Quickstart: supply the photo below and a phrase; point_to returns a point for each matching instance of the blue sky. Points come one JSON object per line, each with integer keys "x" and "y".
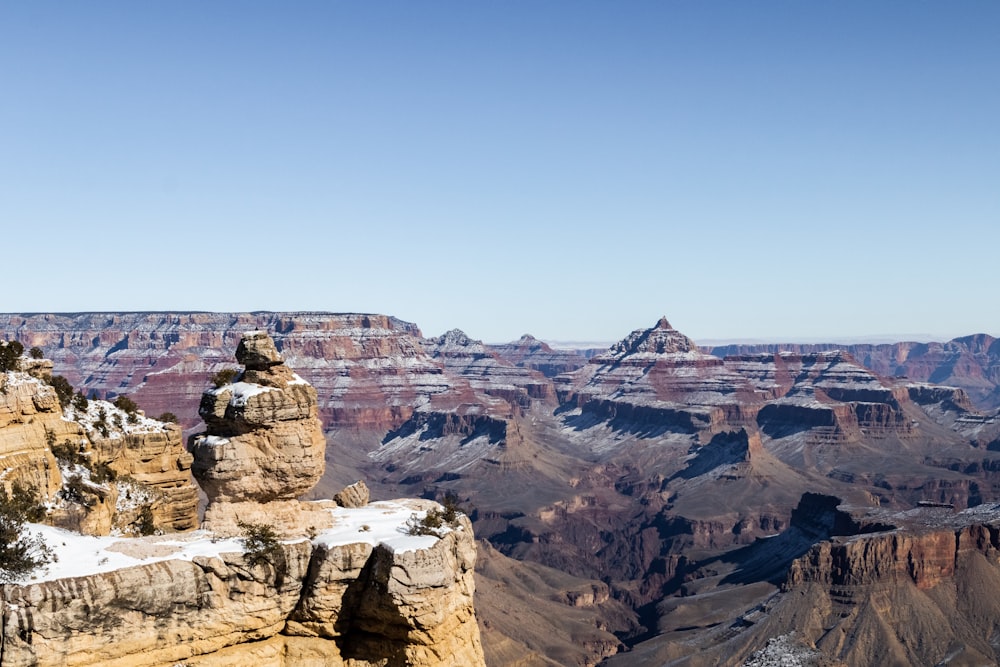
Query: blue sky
{"x": 764, "y": 170}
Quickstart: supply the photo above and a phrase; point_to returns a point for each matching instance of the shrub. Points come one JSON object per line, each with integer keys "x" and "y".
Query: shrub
{"x": 126, "y": 404}
{"x": 101, "y": 473}
{"x": 20, "y": 553}
{"x": 451, "y": 508}
{"x": 64, "y": 390}
{"x": 169, "y": 418}
{"x": 144, "y": 524}
{"x": 224, "y": 377}
{"x": 80, "y": 402}
{"x": 436, "y": 520}
{"x": 36, "y": 353}
{"x": 101, "y": 423}
{"x": 430, "y": 524}
{"x": 75, "y": 491}
{"x": 10, "y": 355}
{"x": 67, "y": 453}
{"x": 260, "y": 542}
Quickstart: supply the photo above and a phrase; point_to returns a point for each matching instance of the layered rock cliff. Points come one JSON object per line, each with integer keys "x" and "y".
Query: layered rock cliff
{"x": 529, "y": 352}
{"x": 360, "y": 594}
{"x": 96, "y": 467}
{"x": 970, "y": 362}
{"x": 370, "y": 370}
{"x": 268, "y": 579}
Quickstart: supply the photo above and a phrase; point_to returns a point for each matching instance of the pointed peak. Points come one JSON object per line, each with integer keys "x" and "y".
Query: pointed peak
{"x": 660, "y": 339}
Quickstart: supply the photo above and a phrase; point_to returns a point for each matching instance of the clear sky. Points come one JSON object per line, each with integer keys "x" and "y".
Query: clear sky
{"x": 773, "y": 170}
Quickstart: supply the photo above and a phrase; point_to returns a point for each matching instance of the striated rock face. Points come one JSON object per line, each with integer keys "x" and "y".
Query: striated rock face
{"x": 30, "y": 416}
{"x": 335, "y": 604}
{"x": 150, "y": 454}
{"x": 970, "y": 362}
{"x": 263, "y": 439}
{"x": 485, "y": 372}
{"x": 658, "y": 376}
{"x": 370, "y": 370}
{"x": 529, "y": 352}
{"x": 158, "y": 460}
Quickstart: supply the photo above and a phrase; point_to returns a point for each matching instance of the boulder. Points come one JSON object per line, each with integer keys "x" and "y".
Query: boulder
{"x": 355, "y": 495}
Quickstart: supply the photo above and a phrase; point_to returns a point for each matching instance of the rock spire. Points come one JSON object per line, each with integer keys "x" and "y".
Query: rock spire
{"x": 263, "y": 441}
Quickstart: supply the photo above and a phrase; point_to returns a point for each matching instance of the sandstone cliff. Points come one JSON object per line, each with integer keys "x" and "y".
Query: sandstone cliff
{"x": 96, "y": 438}
{"x": 360, "y": 594}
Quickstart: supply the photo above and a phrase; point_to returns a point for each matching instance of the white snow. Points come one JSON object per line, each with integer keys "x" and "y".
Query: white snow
{"x": 211, "y": 440}
{"x": 82, "y": 555}
{"x": 240, "y": 392}
{"x": 116, "y": 421}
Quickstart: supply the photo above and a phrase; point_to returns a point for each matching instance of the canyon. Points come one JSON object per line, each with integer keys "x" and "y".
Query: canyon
{"x": 267, "y": 577}
{"x": 635, "y": 502}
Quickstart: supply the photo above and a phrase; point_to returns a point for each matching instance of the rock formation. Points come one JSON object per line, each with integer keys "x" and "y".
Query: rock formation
{"x": 880, "y": 588}
{"x": 355, "y": 596}
{"x": 147, "y": 454}
{"x": 263, "y": 441}
{"x": 529, "y": 352}
{"x": 970, "y": 362}
{"x": 370, "y": 370}
{"x": 30, "y": 417}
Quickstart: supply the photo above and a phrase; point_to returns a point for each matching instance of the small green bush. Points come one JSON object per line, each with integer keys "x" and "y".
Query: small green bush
{"x": 36, "y": 353}
{"x": 75, "y": 491}
{"x": 67, "y": 453}
{"x": 80, "y": 402}
{"x": 20, "y": 553}
{"x": 430, "y": 524}
{"x": 436, "y": 520}
{"x": 451, "y": 508}
{"x": 224, "y": 377}
{"x": 260, "y": 542}
{"x": 64, "y": 390}
{"x": 10, "y": 355}
{"x": 144, "y": 524}
{"x": 169, "y": 418}
{"x": 126, "y": 404}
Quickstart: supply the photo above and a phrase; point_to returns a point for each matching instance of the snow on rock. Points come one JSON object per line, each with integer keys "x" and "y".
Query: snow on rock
{"x": 115, "y": 421}
{"x": 783, "y": 651}
{"x": 79, "y": 555}
{"x": 240, "y": 392}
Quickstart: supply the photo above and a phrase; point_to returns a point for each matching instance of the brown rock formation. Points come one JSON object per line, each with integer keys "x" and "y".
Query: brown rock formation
{"x": 355, "y": 495}
{"x": 263, "y": 445}
{"x": 346, "y": 605}
{"x": 370, "y": 370}
{"x": 263, "y": 439}
{"x": 30, "y": 417}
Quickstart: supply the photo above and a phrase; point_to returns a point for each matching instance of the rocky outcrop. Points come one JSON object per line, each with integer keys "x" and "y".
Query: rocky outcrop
{"x": 263, "y": 446}
{"x": 354, "y": 495}
{"x": 336, "y": 601}
{"x": 148, "y": 455}
{"x": 658, "y": 377}
{"x": 263, "y": 440}
{"x": 31, "y": 418}
{"x": 486, "y": 372}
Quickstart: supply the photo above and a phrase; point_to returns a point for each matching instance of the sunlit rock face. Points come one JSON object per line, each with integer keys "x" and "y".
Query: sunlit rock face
{"x": 263, "y": 438}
